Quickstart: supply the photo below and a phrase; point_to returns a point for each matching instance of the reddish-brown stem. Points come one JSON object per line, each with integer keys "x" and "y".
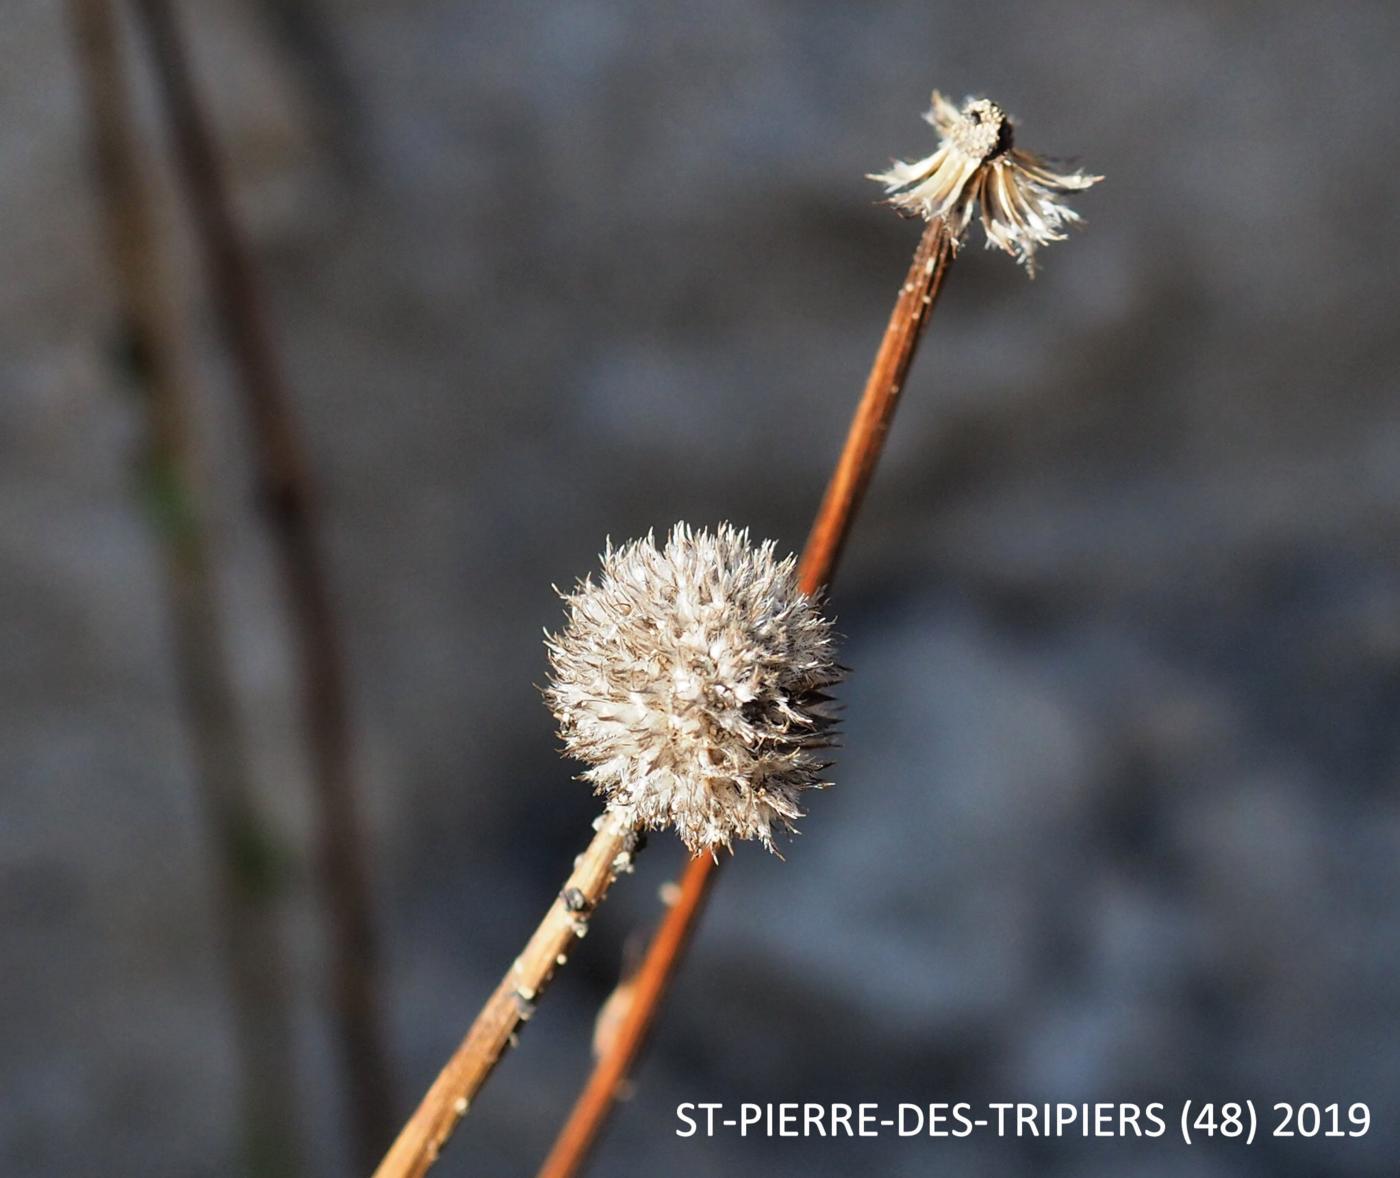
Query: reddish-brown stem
{"x": 864, "y": 442}
{"x": 286, "y": 494}
{"x": 866, "y": 438}
{"x": 580, "y": 1131}
{"x": 246, "y": 901}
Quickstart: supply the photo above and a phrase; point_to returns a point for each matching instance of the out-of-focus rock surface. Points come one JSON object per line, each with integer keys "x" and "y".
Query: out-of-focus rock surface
{"x": 1116, "y": 816}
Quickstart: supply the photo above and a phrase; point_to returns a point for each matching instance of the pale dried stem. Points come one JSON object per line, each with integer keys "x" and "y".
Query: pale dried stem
{"x": 422, "y": 1138}
{"x": 864, "y": 443}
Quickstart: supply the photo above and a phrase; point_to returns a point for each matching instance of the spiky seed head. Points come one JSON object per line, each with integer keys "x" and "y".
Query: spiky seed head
{"x": 692, "y": 679}
{"x": 977, "y": 165}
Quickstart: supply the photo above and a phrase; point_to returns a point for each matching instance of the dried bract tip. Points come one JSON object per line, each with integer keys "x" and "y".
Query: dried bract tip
{"x": 691, "y": 679}
{"x": 977, "y": 164}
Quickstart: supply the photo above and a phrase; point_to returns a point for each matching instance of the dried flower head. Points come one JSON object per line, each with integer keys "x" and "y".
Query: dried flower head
{"x": 692, "y": 680}
{"x": 977, "y": 164}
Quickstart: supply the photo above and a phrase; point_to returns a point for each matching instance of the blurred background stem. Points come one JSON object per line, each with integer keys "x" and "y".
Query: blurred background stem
{"x": 306, "y": 38}
{"x": 289, "y": 505}
{"x": 246, "y": 882}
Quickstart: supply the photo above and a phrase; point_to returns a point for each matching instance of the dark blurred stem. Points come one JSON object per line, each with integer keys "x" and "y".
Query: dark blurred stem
{"x": 246, "y": 895}
{"x": 289, "y": 504}
{"x": 307, "y": 39}
{"x": 865, "y": 441}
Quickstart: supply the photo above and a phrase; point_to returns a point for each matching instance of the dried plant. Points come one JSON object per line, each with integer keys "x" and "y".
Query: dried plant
{"x": 977, "y": 164}
{"x": 691, "y": 678}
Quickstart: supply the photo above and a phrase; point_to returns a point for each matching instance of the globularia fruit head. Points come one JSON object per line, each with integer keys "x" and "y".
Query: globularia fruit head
{"x": 692, "y": 679}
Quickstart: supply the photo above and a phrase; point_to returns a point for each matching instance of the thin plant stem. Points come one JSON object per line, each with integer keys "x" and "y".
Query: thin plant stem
{"x": 289, "y": 504}
{"x": 422, "y": 1138}
{"x": 864, "y": 443}
{"x": 865, "y": 440}
{"x": 246, "y": 895}
{"x": 307, "y": 38}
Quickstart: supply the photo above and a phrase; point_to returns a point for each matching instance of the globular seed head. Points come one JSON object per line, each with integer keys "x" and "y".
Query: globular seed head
{"x": 691, "y": 679}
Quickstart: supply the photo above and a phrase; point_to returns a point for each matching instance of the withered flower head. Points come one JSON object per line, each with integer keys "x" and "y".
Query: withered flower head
{"x": 692, "y": 679}
{"x": 978, "y": 164}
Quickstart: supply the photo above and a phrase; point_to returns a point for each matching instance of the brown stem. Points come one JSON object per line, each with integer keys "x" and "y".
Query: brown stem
{"x": 866, "y": 438}
{"x": 864, "y": 442}
{"x": 246, "y": 898}
{"x": 287, "y": 497}
{"x": 308, "y": 40}
{"x": 421, "y": 1140}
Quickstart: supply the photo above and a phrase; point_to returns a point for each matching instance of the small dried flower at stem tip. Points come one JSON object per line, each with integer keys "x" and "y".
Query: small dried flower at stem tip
{"x": 690, "y": 678}
{"x": 977, "y": 165}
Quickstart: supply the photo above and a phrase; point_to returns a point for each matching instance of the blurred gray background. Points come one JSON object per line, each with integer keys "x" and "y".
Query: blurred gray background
{"x": 1116, "y": 815}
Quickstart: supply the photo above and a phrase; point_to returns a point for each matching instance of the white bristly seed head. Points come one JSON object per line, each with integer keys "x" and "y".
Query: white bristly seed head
{"x": 692, "y": 680}
{"x": 978, "y": 165}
